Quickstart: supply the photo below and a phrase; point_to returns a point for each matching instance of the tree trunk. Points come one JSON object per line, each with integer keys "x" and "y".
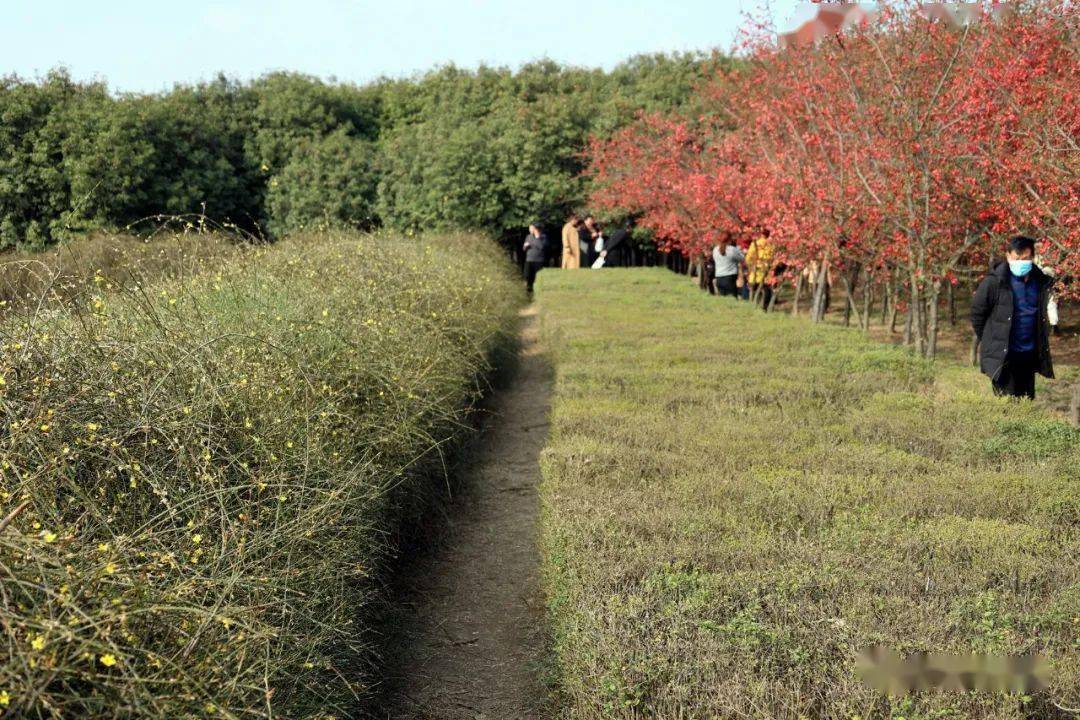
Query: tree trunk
{"x": 818, "y": 311}
{"x": 798, "y": 294}
{"x": 849, "y": 289}
{"x": 849, "y": 304}
{"x": 918, "y": 309}
{"x": 849, "y": 294}
{"x": 886, "y": 299}
{"x": 952, "y": 305}
{"x": 868, "y": 303}
{"x": 908, "y": 321}
{"x": 932, "y": 330}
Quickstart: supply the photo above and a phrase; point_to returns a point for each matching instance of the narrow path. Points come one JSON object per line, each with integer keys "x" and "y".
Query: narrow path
{"x": 472, "y": 643}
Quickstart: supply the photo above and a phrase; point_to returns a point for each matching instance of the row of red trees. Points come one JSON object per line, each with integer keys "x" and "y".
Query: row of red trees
{"x": 904, "y": 152}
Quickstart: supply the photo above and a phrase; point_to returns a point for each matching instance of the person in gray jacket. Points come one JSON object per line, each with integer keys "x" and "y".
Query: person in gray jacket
{"x": 535, "y": 254}
{"x": 728, "y": 257}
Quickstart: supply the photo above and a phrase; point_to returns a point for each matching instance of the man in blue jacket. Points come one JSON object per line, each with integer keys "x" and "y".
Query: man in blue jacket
{"x": 1010, "y": 319}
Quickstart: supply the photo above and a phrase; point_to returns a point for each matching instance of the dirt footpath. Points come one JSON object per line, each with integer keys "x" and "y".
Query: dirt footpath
{"x": 472, "y": 641}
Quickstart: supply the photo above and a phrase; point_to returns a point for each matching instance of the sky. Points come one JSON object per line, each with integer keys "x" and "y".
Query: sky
{"x": 148, "y": 45}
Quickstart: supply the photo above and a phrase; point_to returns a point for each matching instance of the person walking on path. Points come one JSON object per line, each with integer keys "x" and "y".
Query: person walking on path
{"x": 535, "y": 254}
{"x": 728, "y": 258}
{"x": 1009, "y": 316}
{"x": 571, "y": 244}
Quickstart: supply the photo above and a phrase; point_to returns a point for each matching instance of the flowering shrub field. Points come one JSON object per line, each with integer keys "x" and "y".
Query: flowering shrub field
{"x": 907, "y": 151}
{"x": 198, "y": 478}
{"x": 108, "y": 262}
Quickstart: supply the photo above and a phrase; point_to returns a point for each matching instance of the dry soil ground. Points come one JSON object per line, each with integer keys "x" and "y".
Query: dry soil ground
{"x": 471, "y": 642}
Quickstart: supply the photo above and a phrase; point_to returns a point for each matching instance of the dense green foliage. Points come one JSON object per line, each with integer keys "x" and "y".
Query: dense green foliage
{"x": 202, "y": 475}
{"x": 485, "y": 149}
{"x": 329, "y": 182}
{"x": 496, "y": 150}
{"x": 736, "y": 504}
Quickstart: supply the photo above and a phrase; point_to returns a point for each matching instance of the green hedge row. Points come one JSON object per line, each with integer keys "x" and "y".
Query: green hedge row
{"x": 488, "y": 149}
{"x": 201, "y": 477}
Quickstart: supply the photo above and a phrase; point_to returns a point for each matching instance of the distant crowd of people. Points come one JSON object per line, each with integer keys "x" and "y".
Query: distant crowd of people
{"x": 731, "y": 271}
{"x": 1014, "y": 311}
{"x": 584, "y": 245}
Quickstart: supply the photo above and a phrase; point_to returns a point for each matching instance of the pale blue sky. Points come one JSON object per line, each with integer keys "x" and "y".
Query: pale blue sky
{"x": 147, "y": 45}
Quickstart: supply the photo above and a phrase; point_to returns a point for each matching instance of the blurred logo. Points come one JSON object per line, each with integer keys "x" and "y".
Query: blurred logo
{"x": 833, "y": 18}
{"x": 884, "y": 670}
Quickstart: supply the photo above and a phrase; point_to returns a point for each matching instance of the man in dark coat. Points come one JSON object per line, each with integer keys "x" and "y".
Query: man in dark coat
{"x": 1009, "y": 316}
{"x": 535, "y": 246}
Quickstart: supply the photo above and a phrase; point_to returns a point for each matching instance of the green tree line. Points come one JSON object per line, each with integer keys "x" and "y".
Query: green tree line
{"x": 484, "y": 149}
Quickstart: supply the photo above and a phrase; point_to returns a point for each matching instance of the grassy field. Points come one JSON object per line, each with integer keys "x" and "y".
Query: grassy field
{"x": 200, "y": 479}
{"x": 735, "y": 504}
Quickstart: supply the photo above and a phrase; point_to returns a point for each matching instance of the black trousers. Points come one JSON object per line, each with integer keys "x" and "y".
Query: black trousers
{"x": 725, "y": 286}
{"x": 531, "y": 268}
{"x": 1017, "y": 378}
{"x": 766, "y": 294}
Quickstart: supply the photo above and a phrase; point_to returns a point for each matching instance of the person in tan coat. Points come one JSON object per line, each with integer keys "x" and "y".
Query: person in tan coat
{"x": 571, "y": 249}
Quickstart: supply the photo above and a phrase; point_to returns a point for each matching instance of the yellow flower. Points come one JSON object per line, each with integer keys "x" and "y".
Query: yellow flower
{"x": 45, "y": 427}
{"x": 38, "y": 643}
{"x": 5, "y": 699}
{"x": 108, "y": 659}
{"x": 110, "y": 568}
{"x": 49, "y": 537}
{"x": 103, "y": 547}
{"x": 196, "y": 539}
{"x": 92, "y": 426}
